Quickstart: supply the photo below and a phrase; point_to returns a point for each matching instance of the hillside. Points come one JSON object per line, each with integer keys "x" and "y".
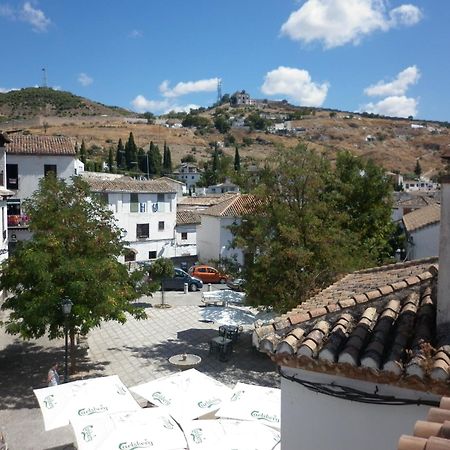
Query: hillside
{"x": 31, "y": 102}
{"x": 396, "y": 144}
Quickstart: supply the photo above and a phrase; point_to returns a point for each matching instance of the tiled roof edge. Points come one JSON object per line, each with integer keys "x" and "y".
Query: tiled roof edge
{"x": 414, "y": 262}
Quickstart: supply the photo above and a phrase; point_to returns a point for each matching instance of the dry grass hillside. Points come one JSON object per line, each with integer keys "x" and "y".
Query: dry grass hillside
{"x": 395, "y": 144}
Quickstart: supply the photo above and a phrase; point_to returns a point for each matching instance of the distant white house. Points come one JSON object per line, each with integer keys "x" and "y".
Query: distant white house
{"x": 423, "y": 184}
{"x": 422, "y": 232}
{"x": 28, "y": 159}
{"x": 214, "y": 236}
{"x": 179, "y": 186}
{"x": 186, "y": 233}
{"x": 145, "y": 210}
{"x": 189, "y": 174}
{"x": 222, "y": 188}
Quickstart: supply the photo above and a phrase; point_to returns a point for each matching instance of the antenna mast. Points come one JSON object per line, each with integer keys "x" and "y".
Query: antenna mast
{"x": 44, "y": 77}
{"x": 219, "y": 90}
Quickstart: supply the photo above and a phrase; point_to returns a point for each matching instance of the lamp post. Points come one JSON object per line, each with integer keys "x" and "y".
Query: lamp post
{"x": 66, "y": 306}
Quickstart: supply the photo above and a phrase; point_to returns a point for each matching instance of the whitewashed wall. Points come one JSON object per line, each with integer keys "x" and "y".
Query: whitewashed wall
{"x": 312, "y": 421}
{"x": 31, "y": 170}
{"x": 186, "y": 247}
{"x": 425, "y": 242}
{"x": 161, "y": 241}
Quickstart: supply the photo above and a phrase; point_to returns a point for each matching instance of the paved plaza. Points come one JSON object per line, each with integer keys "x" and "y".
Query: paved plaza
{"x": 137, "y": 351}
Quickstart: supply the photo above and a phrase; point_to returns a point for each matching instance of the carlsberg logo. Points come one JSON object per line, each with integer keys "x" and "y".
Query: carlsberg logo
{"x": 196, "y": 435}
{"x": 263, "y": 416}
{"x": 88, "y": 433}
{"x": 49, "y": 401}
{"x": 158, "y": 396}
{"x": 93, "y": 410}
{"x": 135, "y": 444}
{"x": 237, "y": 395}
{"x": 209, "y": 403}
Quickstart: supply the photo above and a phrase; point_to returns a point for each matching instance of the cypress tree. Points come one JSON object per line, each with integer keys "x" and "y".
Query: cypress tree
{"x": 154, "y": 160}
{"x": 110, "y": 159}
{"x": 120, "y": 155}
{"x": 237, "y": 160}
{"x": 130, "y": 152}
{"x": 167, "y": 160}
{"x": 83, "y": 152}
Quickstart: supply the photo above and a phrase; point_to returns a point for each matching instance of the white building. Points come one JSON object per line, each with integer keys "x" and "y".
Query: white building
{"x": 28, "y": 159}
{"x": 145, "y": 210}
{"x": 186, "y": 233}
{"x": 214, "y": 236}
{"x": 222, "y": 188}
{"x": 360, "y": 362}
{"x": 422, "y": 232}
{"x": 419, "y": 185}
{"x": 188, "y": 174}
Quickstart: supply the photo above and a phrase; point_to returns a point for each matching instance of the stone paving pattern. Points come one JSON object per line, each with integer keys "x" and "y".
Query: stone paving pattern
{"x": 137, "y": 351}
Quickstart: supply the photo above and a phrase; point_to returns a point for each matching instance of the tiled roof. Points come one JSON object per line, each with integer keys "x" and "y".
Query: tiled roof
{"x": 171, "y": 180}
{"x": 127, "y": 184}
{"x": 202, "y": 201}
{"x": 27, "y": 144}
{"x": 373, "y": 325}
{"x": 187, "y": 217}
{"x": 422, "y": 217}
{"x": 432, "y": 433}
{"x": 234, "y": 206}
{"x": 415, "y": 202}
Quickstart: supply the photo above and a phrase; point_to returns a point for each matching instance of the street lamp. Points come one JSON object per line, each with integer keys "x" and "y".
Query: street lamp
{"x": 66, "y": 306}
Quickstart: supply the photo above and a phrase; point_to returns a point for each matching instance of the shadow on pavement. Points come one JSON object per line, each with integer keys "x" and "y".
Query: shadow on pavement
{"x": 24, "y": 367}
{"x": 245, "y": 364}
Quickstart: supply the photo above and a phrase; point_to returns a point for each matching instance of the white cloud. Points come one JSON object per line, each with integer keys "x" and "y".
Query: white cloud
{"x": 295, "y": 83}
{"x": 84, "y": 79}
{"x": 141, "y": 104}
{"x": 394, "y": 106}
{"x": 35, "y": 17}
{"x": 7, "y": 11}
{"x": 338, "y": 22}
{"x": 405, "y": 15}
{"x": 188, "y": 87}
{"x": 135, "y": 34}
{"x": 5, "y": 90}
{"x": 399, "y": 86}
{"x": 182, "y": 108}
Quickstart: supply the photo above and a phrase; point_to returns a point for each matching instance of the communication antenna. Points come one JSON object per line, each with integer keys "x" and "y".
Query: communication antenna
{"x": 44, "y": 77}
{"x": 219, "y": 90}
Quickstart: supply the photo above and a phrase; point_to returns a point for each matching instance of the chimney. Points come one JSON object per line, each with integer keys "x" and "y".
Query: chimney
{"x": 443, "y": 295}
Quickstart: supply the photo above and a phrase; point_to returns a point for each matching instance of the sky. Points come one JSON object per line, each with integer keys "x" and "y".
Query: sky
{"x": 390, "y": 57}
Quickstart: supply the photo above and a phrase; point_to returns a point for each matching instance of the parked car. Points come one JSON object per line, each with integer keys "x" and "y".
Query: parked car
{"x": 178, "y": 280}
{"x": 236, "y": 284}
{"x": 208, "y": 274}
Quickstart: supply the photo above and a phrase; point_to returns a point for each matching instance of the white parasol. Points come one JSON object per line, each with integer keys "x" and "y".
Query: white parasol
{"x": 225, "y": 434}
{"x": 94, "y": 396}
{"x": 186, "y": 395}
{"x": 148, "y": 427}
{"x": 256, "y": 403}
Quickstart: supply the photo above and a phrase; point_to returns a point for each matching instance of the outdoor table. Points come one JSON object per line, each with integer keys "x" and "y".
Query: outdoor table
{"x": 230, "y": 332}
{"x": 223, "y": 346}
{"x": 185, "y": 361}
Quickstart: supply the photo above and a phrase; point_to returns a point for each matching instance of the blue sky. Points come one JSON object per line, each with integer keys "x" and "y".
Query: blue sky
{"x": 385, "y": 56}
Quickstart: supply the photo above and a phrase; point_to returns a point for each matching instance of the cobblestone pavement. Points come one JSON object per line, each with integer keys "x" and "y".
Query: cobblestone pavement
{"x": 137, "y": 351}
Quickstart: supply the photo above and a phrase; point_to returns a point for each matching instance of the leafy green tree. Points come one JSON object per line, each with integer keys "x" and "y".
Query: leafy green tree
{"x": 363, "y": 193}
{"x": 222, "y": 124}
{"x": 160, "y": 269}
{"x": 149, "y": 116}
{"x": 189, "y": 159}
{"x": 83, "y": 152}
{"x": 195, "y": 120}
{"x": 237, "y": 160}
{"x": 120, "y": 155}
{"x": 154, "y": 159}
{"x": 73, "y": 253}
{"x": 256, "y": 122}
{"x": 299, "y": 236}
{"x": 418, "y": 169}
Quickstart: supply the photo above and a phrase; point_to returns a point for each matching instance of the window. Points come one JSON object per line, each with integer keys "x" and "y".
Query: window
{"x": 161, "y": 226}
{"x": 152, "y": 255}
{"x": 12, "y": 176}
{"x": 161, "y": 198}
{"x": 130, "y": 255}
{"x": 142, "y": 207}
{"x": 104, "y": 197}
{"x": 183, "y": 235}
{"x": 142, "y": 230}
{"x": 49, "y": 168}
{"x": 134, "y": 203}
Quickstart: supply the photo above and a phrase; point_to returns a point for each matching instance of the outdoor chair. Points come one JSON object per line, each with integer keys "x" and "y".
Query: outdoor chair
{"x": 222, "y": 346}
{"x": 232, "y": 332}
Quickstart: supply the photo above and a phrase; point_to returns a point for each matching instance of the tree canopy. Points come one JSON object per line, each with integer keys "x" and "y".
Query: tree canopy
{"x": 309, "y": 224}
{"x": 73, "y": 253}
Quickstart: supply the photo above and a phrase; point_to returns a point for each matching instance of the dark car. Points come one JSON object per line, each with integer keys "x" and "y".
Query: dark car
{"x": 237, "y": 284}
{"x": 179, "y": 279}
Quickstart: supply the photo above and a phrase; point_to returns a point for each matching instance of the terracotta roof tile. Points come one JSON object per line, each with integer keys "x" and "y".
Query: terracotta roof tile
{"x": 234, "y": 206}
{"x": 187, "y": 217}
{"x": 422, "y": 217}
{"x": 27, "y": 144}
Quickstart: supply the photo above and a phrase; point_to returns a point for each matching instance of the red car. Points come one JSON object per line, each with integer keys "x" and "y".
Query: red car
{"x": 207, "y": 274}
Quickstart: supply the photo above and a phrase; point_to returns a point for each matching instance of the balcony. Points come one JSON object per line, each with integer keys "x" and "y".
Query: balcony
{"x": 18, "y": 221}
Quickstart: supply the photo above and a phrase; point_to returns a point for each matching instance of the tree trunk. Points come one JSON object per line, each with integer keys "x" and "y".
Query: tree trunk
{"x": 73, "y": 358}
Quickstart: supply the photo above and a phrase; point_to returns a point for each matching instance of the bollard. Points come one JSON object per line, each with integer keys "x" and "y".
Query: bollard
{"x": 186, "y": 288}
{"x": 209, "y": 287}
